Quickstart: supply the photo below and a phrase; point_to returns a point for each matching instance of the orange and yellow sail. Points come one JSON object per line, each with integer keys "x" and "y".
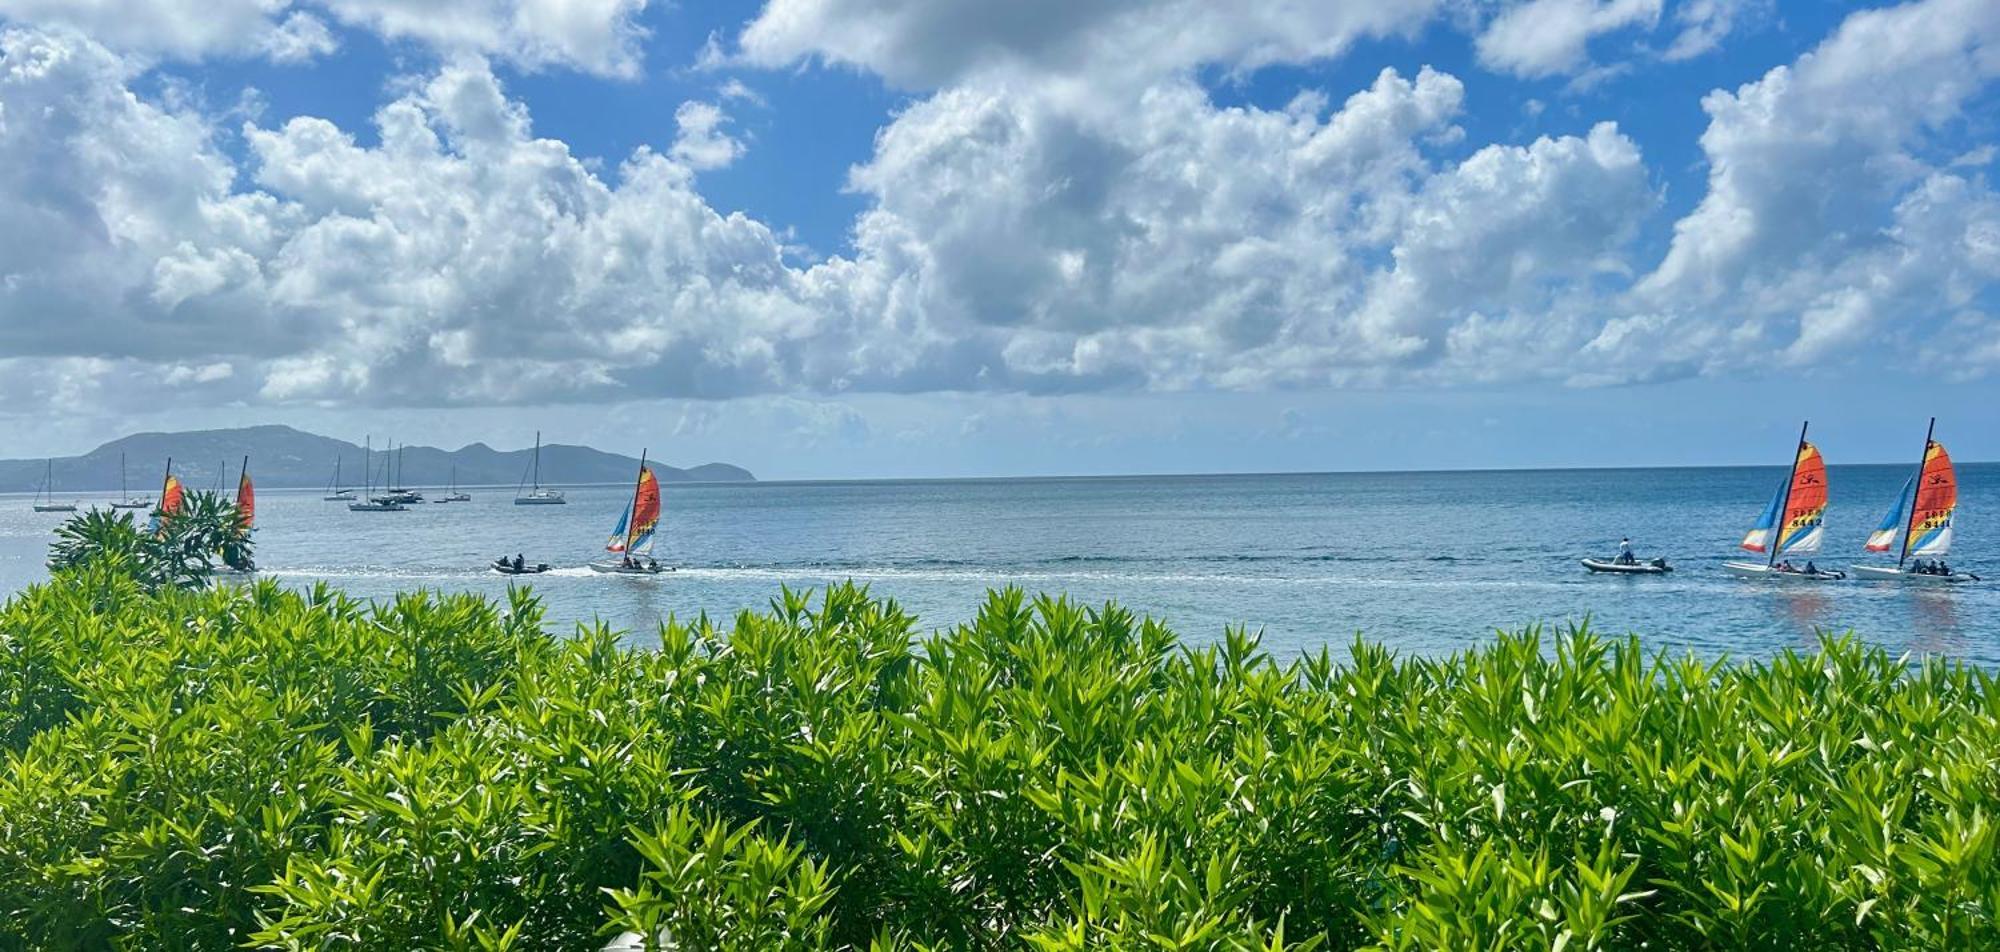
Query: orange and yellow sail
{"x": 246, "y": 500}
{"x": 634, "y": 533}
{"x": 1799, "y": 528}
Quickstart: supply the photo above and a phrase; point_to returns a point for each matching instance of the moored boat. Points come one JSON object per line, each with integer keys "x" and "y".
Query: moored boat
{"x": 125, "y": 498}
{"x": 1793, "y": 524}
{"x": 369, "y": 501}
{"x": 1931, "y": 496}
{"x": 538, "y": 496}
{"x": 45, "y": 500}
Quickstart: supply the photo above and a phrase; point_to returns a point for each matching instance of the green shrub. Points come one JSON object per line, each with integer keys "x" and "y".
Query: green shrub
{"x": 249, "y": 766}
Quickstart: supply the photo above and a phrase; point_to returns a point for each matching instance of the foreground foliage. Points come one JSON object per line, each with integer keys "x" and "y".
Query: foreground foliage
{"x": 256, "y": 767}
{"x": 182, "y": 550}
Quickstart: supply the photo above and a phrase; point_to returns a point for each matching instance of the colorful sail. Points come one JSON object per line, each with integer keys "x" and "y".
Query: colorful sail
{"x": 616, "y": 542}
{"x": 246, "y": 501}
{"x": 1937, "y": 498}
{"x": 1758, "y": 539}
{"x": 645, "y": 512}
{"x": 171, "y": 497}
{"x": 1884, "y": 536}
{"x": 634, "y": 532}
{"x": 1805, "y": 510}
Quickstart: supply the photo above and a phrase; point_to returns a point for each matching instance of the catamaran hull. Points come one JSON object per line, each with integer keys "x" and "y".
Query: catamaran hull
{"x": 619, "y": 568}
{"x": 1877, "y": 573}
{"x": 1623, "y": 568}
{"x": 131, "y": 505}
{"x": 539, "y": 501}
{"x": 44, "y": 508}
{"x": 1760, "y": 570}
{"x": 377, "y": 507}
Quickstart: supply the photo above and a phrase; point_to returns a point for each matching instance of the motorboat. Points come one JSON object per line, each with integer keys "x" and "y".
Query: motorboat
{"x": 1615, "y": 567}
{"x": 506, "y": 567}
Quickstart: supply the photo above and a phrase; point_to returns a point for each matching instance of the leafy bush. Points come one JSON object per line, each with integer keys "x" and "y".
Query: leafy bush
{"x": 183, "y": 551}
{"x": 254, "y": 767}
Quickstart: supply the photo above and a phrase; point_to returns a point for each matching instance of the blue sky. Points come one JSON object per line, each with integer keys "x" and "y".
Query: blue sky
{"x": 844, "y": 238}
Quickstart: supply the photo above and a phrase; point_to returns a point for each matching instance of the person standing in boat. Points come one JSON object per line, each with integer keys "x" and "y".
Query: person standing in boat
{"x": 1625, "y": 552}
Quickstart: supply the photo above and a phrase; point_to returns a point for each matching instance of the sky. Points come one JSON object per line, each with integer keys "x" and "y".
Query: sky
{"x": 867, "y": 238}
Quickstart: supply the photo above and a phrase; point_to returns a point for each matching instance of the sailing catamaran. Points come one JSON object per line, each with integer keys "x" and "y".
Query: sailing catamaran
{"x": 451, "y": 493}
{"x": 369, "y": 501}
{"x": 172, "y": 495}
{"x": 45, "y": 500}
{"x": 1792, "y": 523}
{"x": 632, "y": 539}
{"x": 125, "y": 498}
{"x": 233, "y": 559}
{"x": 1932, "y": 496}
{"x": 538, "y": 496}
{"x": 334, "y": 492}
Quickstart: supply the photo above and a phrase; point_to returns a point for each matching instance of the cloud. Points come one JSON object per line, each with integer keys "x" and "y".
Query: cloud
{"x": 1017, "y": 237}
{"x": 1827, "y": 208}
{"x": 1704, "y": 24}
{"x": 598, "y": 36}
{"x": 1547, "y": 37}
{"x": 931, "y": 43}
{"x": 701, "y": 144}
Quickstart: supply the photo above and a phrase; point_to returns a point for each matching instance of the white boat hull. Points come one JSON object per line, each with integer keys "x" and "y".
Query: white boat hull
{"x": 619, "y": 568}
{"x": 1625, "y": 568}
{"x": 1761, "y": 570}
{"x": 1883, "y": 573}
{"x": 539, "y": 501}
{"x": 376, "y": 507}
{"x": 55, "y": 508}
{"x": 133, "y": 504}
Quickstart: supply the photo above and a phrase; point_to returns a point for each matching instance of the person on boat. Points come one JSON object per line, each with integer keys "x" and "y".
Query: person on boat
{"x": 652, "y": 564}
{"x": 1625, "y": 552}
{"x": 519, "y": 562}
{"x": 1786, "y": 566}
{"x": 1811, "y": 569}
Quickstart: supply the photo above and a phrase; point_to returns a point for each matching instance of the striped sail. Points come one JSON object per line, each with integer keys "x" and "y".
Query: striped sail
{"x": 1803, "y": 527}
{"x": 1797, "y": 530}
{"x": 1884, "y": 537}
{"x": 172, "y": 494}
{"x": 636, "y": 525}
{"x": 1937, "y": 499}
{"x": 1758, "y": 539}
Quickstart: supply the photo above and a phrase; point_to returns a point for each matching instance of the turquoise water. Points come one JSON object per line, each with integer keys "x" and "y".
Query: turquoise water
{"x": 1426, "y": 562}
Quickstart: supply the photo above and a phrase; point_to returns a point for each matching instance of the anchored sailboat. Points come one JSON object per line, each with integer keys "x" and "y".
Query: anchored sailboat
{"x": 334, "y": 491}
{"x": 1931, "y": 495}
{"x": 369, "y": 501}
{"x": 451, "y": 493}
{"x": 125, "y": 498}
{"x": 632, "y": 539}
{"x": 45, "y": 501}
{"x": 1792, "y": 525}
{"x": 538, "y": 496}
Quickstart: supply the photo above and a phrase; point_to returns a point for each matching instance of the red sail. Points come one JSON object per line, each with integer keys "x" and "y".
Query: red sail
{"x": 246, "y": 501}
{"x": 171, "y": 496}
{"x": 1807, "y": 504}
{"x": 645, "y": 506}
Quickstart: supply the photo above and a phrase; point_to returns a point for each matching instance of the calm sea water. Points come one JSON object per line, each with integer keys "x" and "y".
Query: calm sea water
{"x": 1426, "y": 562}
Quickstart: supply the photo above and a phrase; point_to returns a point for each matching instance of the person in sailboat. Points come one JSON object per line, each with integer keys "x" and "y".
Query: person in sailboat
{"x": 1811, "y": 569}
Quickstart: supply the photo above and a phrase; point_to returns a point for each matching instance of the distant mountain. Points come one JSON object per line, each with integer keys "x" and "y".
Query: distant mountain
{"x": 281, "y": 457}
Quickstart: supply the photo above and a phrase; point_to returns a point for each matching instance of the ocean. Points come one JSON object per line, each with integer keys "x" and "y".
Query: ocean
{"x": 1423, "y": 562}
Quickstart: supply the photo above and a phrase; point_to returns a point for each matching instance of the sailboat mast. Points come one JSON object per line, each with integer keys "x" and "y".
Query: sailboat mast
{"x": 367, "y": 466}
{"x": 1785, "y": 500}
{"x": 538, "y": 460}
{"x": 124, "y": 493}
{"x": 632, "y": 522}
{"x": 240, "y": 474}
{"x": 1916, "y": 489}
{"x": 165, "y": 478}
